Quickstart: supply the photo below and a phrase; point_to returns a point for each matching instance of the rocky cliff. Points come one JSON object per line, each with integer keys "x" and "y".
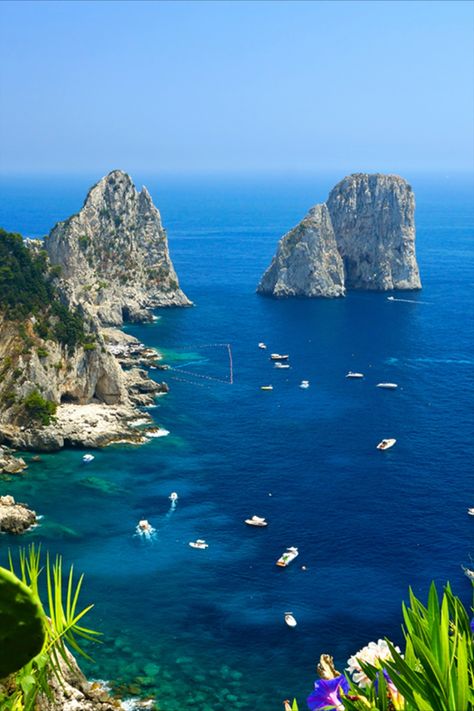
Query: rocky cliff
{"x": 113, "y": 254}
{"x": 362, "y": 238}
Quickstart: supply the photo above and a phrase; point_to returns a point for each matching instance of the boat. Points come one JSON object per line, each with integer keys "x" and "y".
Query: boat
{"x": 88, "y": 458}
{"x": 471, "y": 511}
{"x": 277, "y": 356}
{"x": 390, "y": 298}
{"x": 256, "y": 521}
{"x": 262, "y": 346}
{"x": 145, "y": 527}
{"x": 387, "y": 386}
{"x": 173, "y": 496}
{"x": 289, "y": 555}
{"x": 468, "y": 572}
{"x": 200, "y": 543}
{"x": 304, "y": 384}
{"x": 290, "y": 620}
{"x": 266, "y": 387}
{"x": 350, "y": 374}
{"x": 386, "y": 444}
{"x": 279, "y": 364}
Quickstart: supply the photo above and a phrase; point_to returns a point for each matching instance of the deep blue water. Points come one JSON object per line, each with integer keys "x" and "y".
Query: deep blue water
{"x": 206, "y": 627}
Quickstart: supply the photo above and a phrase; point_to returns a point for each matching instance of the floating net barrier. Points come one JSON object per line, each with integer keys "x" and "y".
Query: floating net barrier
{"x": 204, "y": 379}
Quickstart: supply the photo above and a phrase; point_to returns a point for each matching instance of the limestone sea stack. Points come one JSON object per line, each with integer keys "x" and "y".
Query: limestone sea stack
{"x": 113, "y": 254}
{"x": 362, "y": 238}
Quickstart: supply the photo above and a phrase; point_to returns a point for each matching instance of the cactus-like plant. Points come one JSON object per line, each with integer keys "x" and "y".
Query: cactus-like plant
{"x": 22, "y": 624}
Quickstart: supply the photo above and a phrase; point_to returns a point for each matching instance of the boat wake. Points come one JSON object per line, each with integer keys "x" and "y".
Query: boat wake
{"x": 407, "y": 301}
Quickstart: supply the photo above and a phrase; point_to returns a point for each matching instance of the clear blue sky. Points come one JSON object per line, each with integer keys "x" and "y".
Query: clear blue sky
{"x": 236, "y": 86}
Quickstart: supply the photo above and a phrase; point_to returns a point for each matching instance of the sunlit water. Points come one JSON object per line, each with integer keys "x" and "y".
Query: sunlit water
{"x": 205, "y": 628}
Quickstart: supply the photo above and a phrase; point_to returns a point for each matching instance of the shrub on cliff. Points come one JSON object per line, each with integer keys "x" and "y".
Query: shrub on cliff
{"x": 38, "y": 409}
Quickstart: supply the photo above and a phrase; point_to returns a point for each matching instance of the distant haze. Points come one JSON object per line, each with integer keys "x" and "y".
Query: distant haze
{"x": 236, "y": 86}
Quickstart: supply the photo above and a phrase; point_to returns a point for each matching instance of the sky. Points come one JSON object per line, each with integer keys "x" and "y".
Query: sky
{"x": 236, "y": 87}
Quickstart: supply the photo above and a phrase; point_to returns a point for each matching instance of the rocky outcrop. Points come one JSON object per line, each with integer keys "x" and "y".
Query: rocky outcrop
{"x": 113, "y": 254}
{"x": 362, "y": 238}
{"x": 374, "y": 224}
{"x": 10, "y": 464}
{"x": 15, "y": 518}
{"x": 307, "y": 262}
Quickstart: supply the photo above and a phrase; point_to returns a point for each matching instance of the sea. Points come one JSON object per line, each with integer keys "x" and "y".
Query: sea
{"x": 204, "y": 629}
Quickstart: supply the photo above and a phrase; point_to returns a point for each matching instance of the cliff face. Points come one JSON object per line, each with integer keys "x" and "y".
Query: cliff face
{"x": 374, "y": 224}
{"x": 114, "y": 254}
{"x": 362, "y": 238}
{"x": 307, "y": 262}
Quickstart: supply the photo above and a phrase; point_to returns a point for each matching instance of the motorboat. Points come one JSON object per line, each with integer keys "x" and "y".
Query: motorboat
{"x": 386, "y": 444}
{"x": 266, "y": 387}
{"x": 351, "y": 374}
{"x": 256, "y": 521}
{"x": 88, "y": 458}
{"x": 173, "y": 496}
{"x": 390, "y": 298}
{"x": 262, "y": 346}
{"x": 387, "y": 386}
{"x": 468, "y": 572}
{"x": 290, "y": 620}
{"x": 289, "y": 555}
{"x": 277, "y": 356}
{"x": 471, "y": 511}
{"x": 144, "y": 527}
{"x": 304, "y": 384}
{"x": 279, "y": 364}
{"x": 200, "y": 543}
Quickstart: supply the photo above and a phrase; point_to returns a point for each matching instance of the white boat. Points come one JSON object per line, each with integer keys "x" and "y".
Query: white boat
{"x": 471, "y": 511}
{"x": 350, "y": 374}
{"x": 279, "y": 364}
{"x": 289, "y": 555}
{"x": 200, "y": 543}
{"x": 173, "y": 496}
{"x": 277, "y": 356}
{"x": 145, "y": 528}
{"x": 390, "y": 298}
{"x": 262, "y": 346}
{"x": 468, "y": 572}
{"x": 386, "y": 444}
{"x": 88, "y": 458}
{"x": 304, "y": 384}
{"x": 256, "y": 521}
{"x": 387, "y": 386}
{"x": 266, "y": 387}
{"x": 290, "y": 620}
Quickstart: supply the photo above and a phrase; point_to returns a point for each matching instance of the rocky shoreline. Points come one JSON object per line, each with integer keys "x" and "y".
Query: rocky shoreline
{"x": 15, "y": 517}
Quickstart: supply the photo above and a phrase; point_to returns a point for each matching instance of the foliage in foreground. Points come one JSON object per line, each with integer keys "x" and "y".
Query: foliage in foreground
{"x": 435, "y": 672}
{"x": 60, "y": 620}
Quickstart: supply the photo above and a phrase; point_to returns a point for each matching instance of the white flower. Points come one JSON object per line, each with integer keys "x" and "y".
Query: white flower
{"x": 374, "y": 653}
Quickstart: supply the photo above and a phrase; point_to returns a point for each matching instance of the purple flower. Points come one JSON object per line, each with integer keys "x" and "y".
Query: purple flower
{"x": 326, "y": 694}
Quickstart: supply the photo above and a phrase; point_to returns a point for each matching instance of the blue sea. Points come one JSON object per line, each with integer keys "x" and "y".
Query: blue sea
{"x": 204, "y": 629}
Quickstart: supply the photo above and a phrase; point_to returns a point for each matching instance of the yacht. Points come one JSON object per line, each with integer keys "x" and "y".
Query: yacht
{"x": 200, "y": 543}
{"x": 471, "y": 511}
{"x": 288, "y": 556}
{"x": 387, "y": 386}
{"x": 290, "y": 620}
{"x": 173, "y": 496}
{"x": 277, "y": 356}
{"x": 304, "y": 384}
{"x": 386, "y": 444}
{"x": 350, "y": 374}
{"x": 266, "y": 387}
{"x": 256, "y": 521}
{"x": 88, "y": 458}
{"x": 279, "y": 364}
{"x": 262, "y": 346}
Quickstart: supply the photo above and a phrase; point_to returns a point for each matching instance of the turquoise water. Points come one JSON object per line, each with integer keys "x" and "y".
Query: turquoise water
{"x": 205, "y": 629}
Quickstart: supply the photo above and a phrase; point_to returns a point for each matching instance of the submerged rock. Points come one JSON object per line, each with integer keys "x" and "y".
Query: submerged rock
{"x": 362, "y": 238}
{"x": 15, "y": 518}
{"x": 114, "y": 254}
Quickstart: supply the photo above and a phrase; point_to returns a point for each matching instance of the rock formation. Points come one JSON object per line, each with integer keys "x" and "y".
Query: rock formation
{"x": 10, "y": 464}
{"x": 307, "y": 262}
{"x": 114, "y": 255}
{"x": 15, "y": 518}
{"x": 362, "y": 238}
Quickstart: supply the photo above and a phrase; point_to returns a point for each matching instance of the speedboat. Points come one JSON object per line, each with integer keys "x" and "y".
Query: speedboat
{"x": 262, "y": 346}
{"x": 386, "y": 444}
{"x": 387, "y": 386}
{"x": 88, "y": 458}
{"x": 144, "y": 527}
{"x": 266, "y": 387}
{"x": 468, "y": 572}
{"x": 279, "y": 364}
{"x": 200, "y": 543}
{"x": 277, "y": 356}
{"x": 390, "y": 298}
{"x": 289, "y": 555}
{"x": 304, "y": 384}
{"x": 173, "y": 496}
{"x": 350, "y": 374}
{"x": 256, "y": 521}
{"x": 290, "y": 620}
{"x": 471, "y": 511}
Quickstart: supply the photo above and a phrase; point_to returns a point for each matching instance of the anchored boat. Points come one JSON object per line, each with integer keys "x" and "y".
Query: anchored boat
{"x": 288, "y": 556}
{"x": 277, "y": 356}
{"x": 200, "y": 543}
{"x": 304, "y": 384}
{"x": 350, "y": 374}
{"x": 256, "y": 521}
{"x": 290, "y": 620}
{"x": 386, "y": 444}
{"x": 266, "y": 387}
{"x": 262, "y": 346}
{"x": 88, "y": 458}
{"x": 387, "y": 386}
